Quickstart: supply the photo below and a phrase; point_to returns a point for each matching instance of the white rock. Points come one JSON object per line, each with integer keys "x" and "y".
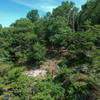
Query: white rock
{"x": 35, "y": 73}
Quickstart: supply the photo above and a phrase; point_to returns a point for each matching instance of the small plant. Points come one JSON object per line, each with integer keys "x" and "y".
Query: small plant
{"x": 14, "y": 74}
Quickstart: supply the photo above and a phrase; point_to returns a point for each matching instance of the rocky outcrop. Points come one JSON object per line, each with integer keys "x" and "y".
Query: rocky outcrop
{"x": 35, "y": 73}
{"x": 42, "y": 71}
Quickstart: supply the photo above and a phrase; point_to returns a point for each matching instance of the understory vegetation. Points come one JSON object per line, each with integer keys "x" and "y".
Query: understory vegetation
{"x": 67, "y": 34}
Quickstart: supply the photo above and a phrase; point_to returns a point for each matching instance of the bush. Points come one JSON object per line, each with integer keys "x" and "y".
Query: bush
{"x": 48, "y": 91}
{"x": 27, "y": 88}
{"x": 1, "y": 89}
{"x": 78, "y": 90}
{"x": 16, "y": 98}
{"x": 38, "y": 54}
{"x": 14, "y": 74}
{"x": 21, "y": 59}
{"x": 22, "y": 88}
{"x": 1, "y": 80}
{"x": 4, "y": 68}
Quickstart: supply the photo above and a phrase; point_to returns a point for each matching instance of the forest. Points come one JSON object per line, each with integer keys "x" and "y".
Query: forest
{"x": 69, "y": 36}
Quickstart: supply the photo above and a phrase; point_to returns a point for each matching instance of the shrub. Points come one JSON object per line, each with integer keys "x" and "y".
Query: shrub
{"x": 14, "y": 74}
{"x": 4, "y": 68}
{"x": 78, "y": 90}
{"x": 38, "y": 54}
{"x": 22, "y": 88}
{"x": 48, "y": 91}
{"x": 1, "y": 89}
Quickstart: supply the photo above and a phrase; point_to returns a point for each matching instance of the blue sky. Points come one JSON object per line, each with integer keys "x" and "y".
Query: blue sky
{"x": 11, "y": 10}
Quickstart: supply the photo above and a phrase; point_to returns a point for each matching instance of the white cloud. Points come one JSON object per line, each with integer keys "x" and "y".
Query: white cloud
{"x": 46, "y": 5}
{"x": 43, "y": 5}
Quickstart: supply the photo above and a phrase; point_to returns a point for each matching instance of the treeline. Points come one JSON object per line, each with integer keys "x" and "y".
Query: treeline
{"x": 34, "y": 39}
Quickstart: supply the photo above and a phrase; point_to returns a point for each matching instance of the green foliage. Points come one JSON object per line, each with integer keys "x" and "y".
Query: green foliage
{"x": 39, "y": 52}
{"x": 33, "y": 15}
{"x": 1, "y": 80}
{"x": 16, "y": 98}
{"x": 68, "y": 11}
{"x": 21, "y": 59}
{"x": 58, "y": 31}
{"x": 41, "y": 29}
{"x": 72, "y": 37}
{"x": 14, "y": 74}
{"x": 23, "y": 87}
{"x": 27, "y": 88}
{"x": 49, "y": 90}
{"x": 1, "y": 89}
{"x": 90, "y": 11}
{"x": 74, "y": 84}
{"x": 78, "y": 90}
{"x": 4, "y": 68}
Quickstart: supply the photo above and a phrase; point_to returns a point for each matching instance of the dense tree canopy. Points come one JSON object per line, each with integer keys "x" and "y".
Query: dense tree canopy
{"x": 70, "y": 36}
{"x": 90, "y": 11}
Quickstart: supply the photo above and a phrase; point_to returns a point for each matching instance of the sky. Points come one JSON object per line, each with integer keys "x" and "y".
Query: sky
{"x": 11, "y": 10}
